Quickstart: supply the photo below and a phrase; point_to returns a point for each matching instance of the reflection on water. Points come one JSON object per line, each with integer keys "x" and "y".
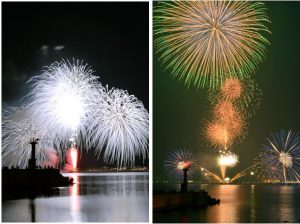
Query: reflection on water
{"x": 241, "y": 204}
{"x": 74, "y": 199}
{"x": 95, "y": 197}
{"x": 252, "y": 204}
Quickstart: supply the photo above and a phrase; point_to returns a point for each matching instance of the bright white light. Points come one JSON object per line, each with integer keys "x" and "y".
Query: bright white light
{"x": 68, "y": 106}
{"x": 121, "y": 127}
{"x": 61, "y": 97}
{"x": 227, "y": 179}
{"x": 286, "y": 159}
{"x": 228, "y": 160}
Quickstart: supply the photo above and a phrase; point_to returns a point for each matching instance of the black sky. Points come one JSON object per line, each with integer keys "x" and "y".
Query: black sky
{"x": 112, "y": 37}
{"x": 179, "y": 112}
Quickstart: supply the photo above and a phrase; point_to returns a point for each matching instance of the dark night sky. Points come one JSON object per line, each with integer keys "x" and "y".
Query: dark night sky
{"x": 178, "y": 111}
{"x": 113, "y": 38}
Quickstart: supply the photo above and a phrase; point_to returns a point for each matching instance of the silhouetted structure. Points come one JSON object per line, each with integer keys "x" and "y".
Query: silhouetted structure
{"x": 184, "y": 185}
{"x": 32, "y": 160}
{"x": 32, "y": 180}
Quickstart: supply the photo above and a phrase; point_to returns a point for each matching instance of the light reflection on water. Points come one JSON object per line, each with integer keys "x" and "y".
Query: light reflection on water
{"x": 241, "y": 204}
{"x": 95, "y": 197}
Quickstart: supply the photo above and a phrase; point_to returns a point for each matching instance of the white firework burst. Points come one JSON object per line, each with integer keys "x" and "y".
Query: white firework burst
{"x": 177, "y": 161}
{"x": 120, "y": 127}
{"x": 279, "y": 160}
{"x": 18, "y": 127}
{"x": 60, "y": 99}
{"x": 68, "y": 106}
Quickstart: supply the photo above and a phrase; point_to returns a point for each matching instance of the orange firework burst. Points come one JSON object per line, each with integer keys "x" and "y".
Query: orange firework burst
{"x": 245, "y": 95}
{"x": 231, "y": 89}
{"x": 218, "y": 135}
{"x": 228, "y": 124}
{"x": 225, "y": 112}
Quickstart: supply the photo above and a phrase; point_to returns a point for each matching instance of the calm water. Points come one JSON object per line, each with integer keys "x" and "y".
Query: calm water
{"x": 96, "y": 197}
{"x": 242, "y": 203}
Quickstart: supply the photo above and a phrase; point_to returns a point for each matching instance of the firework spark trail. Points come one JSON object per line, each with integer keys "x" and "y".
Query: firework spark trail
{"x": 60, "y": 99}
{"x": 279, "y": 160}
{"x": 205, "y": 42}
{"x": 211, "y": 174}
{"x": 242, "y": 173}
{"x": 222, "y": 180}
{"x": 177, "y": 161}
{"x": 18, "y": 127}
{"x": 120, "y": 127}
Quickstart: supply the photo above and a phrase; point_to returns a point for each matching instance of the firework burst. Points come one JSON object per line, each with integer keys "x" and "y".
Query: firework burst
{"x": 244, "y": 94}
{"x": 60, "y": 99}
{"x": 71, "y": 109}
{"x": 120, "y": 127}
{"x": 177, "y": 161}
{"x": 218, "y": 135}
{"x": 229, "y": 159}
{"x": 205, "y": 42}
{"x": 227, "y": 125}
{"x": 279, "y": 160}
{"x": 18, "y": 127}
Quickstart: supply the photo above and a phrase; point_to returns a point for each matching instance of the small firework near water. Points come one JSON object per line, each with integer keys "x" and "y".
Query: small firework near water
{"x": 120, "y": 127}
{"x": 229, "y": 159}
{"x": 177, "y": 161}
{"x": 279, "y": 160}
{"x": 205, "y": 42}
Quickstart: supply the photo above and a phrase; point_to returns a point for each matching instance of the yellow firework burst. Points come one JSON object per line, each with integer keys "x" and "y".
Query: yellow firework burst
{"x": 205, "y": 42}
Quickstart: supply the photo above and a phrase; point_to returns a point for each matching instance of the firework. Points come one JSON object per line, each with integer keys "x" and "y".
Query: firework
{"x": 218, "y": 135}
{"x": 177, "y": 161}
{"x": 244, "y": 95}
{"x": 76, "y": 111}
{"x": 227, "y": 160}
{"x": 212, "y": 175}
{"x": 227, "y": 180}
{"x": 231, "y": 89}
{"x": 279, "y": 160}
{"x": 227, "y": 125}
{"x": 60, "y": 99}
{"x": 205, "y": 42}
{"x": 230, "y": 159}
{"x": 18, "y": 127}
{"x": 120, "y": 127}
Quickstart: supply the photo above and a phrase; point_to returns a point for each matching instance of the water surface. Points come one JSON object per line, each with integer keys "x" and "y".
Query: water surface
{"x": 241, "y": 204}
{"x": 96, "y": 197}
